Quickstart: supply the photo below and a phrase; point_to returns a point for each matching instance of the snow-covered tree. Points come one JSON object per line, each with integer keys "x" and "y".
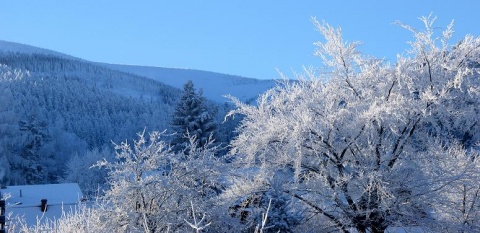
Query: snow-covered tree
{"x": 368, "y": 145}
{"x": 192, "y": 117}
{"x": 140, "y": 186}
{"x": 34, "y": 164}
{"x": 90, "y": 179}
{"x": 251, "y": 195}
{"x": 152, "y": 188}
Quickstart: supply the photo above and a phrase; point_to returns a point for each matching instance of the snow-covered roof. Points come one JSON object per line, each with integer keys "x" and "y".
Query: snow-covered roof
{"x": 25, "y": 200}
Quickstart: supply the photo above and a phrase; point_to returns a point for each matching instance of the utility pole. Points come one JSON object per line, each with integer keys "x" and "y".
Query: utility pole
{"x": 2, "y": 215}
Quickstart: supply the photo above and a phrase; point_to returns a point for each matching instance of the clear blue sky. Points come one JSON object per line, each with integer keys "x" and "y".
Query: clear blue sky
{"x": 248, "y": 38}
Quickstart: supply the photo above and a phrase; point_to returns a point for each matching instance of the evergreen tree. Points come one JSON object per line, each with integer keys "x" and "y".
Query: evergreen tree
{"x": 33, "y": 164}
{"x": 192, "y": 118}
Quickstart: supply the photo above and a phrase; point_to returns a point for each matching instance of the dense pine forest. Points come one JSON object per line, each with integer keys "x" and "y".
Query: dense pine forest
{"x": 55, "y": 107}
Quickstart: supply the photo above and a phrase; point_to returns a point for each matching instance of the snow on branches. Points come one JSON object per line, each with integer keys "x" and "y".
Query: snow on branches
{"x": 368, "y": 144}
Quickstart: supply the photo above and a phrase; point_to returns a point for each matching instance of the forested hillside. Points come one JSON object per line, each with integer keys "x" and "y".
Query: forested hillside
{"x": 77, "y": 106}
{"x": 54, "y": 106}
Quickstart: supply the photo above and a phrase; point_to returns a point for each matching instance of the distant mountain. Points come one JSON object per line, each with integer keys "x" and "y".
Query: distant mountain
{"x": 92, "y": 102}
{"x": 7, "y": 47}
{"x": 214, "y": 85}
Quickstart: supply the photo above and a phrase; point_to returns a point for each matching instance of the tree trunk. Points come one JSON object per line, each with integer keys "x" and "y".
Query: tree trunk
{"x": 377, "y": 230}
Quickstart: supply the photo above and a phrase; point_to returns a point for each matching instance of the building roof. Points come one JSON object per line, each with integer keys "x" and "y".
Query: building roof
{"x": 25, "y": 200}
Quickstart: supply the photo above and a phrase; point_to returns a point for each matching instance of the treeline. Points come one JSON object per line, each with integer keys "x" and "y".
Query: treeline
{"x": 47, "y": 65}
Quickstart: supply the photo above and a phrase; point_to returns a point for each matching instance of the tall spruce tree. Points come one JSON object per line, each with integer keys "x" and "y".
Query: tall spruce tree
{"x": 192, "y": 118}
{"x": 33, "y": 162}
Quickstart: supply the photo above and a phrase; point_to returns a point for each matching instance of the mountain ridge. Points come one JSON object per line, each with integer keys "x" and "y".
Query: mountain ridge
{"x": 14, "y": 47}
{"x": 215, "y": 86}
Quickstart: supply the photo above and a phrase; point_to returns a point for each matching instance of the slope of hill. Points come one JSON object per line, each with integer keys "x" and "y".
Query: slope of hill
{"x": 214, "y": 85}
{"x": 53, "y": 106}
{"x": 7, "y": 47}
{"x": 71, "y": 90}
